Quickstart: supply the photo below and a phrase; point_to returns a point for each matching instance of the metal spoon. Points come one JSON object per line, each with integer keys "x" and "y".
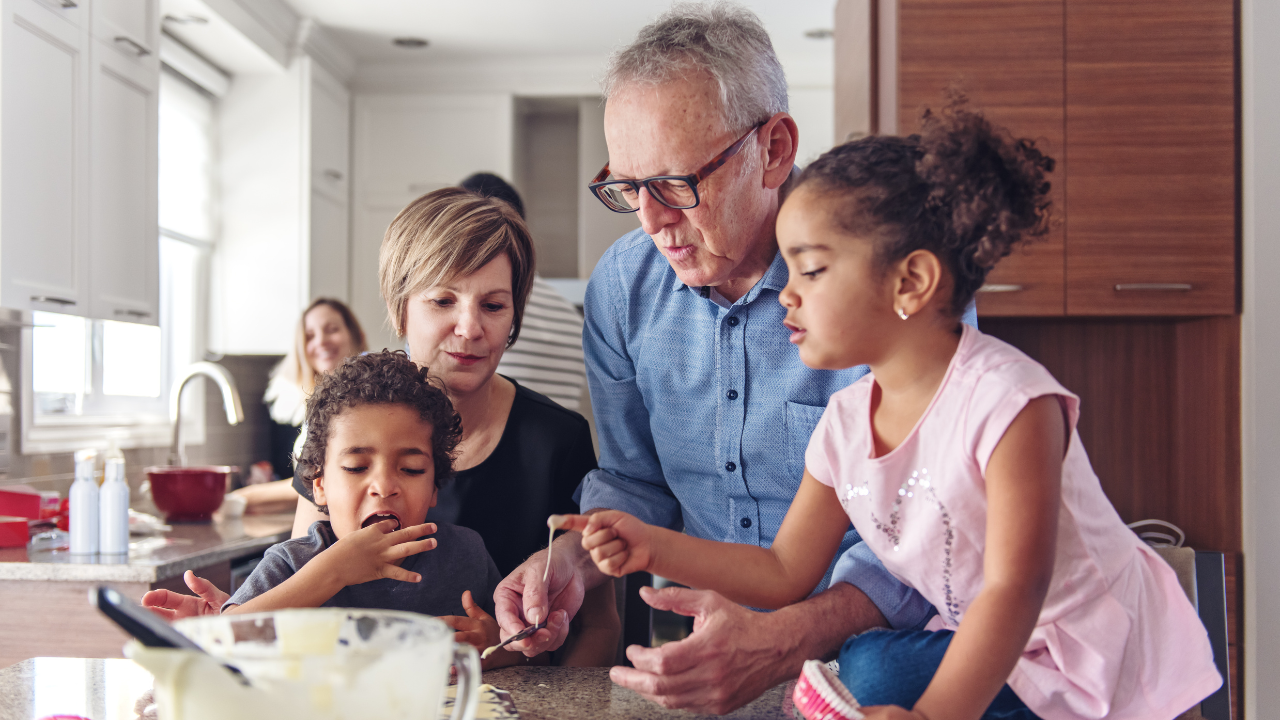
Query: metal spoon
{"x": 527, "y": 632}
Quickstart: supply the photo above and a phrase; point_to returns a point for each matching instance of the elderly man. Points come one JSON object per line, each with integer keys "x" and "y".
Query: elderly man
{"x": 702, "y": 405}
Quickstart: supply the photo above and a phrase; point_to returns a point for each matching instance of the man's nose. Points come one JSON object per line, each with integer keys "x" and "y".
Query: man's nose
{"x": 654, "y": 216}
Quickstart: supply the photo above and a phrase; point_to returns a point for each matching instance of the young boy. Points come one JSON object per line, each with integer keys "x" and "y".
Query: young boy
{"x": 380, "y": 438}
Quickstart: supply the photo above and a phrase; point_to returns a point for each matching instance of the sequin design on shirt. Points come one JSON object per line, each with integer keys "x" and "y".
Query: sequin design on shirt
{"x": 918, "y": 484}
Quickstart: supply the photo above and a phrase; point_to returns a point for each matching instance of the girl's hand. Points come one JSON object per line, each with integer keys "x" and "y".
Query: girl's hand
{"x": 620, "y": 544}
{"x": 374, "y": 552}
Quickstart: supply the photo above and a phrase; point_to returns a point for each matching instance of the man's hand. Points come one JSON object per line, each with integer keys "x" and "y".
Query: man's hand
{"x": 730, "y": 659}
{"x": 172, "y": 606}
{"x": 374, "y": 552}
{"x": 620, "y": 544}
{"x": 522, "y": 599}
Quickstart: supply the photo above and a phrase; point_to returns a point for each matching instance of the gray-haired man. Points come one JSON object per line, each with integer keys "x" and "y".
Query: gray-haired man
{"x": 703, "y": 407}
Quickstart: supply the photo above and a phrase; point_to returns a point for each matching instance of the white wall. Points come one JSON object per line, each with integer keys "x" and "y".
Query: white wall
{"x": 405, "y": 146}
{"x": 815, "y": 114}
{"x": 256, "y": 259}
{"x": 1260, "y": 387}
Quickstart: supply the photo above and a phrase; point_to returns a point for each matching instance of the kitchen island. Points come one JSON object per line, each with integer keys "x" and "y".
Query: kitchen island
{"x": 45, "y": 595}
{"x": 109, "y": 689}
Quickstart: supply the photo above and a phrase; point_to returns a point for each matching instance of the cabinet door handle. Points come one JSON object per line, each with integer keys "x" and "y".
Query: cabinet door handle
{"x": 998, "y": 288}
{"x": 333, "y": 174}
{"x": 134, "y": 313}
{"x": 51, "y": 299}
{"x": 1178, "y": 287}
{"x": 68, "y": 4}
{"x": 138, "y": 48}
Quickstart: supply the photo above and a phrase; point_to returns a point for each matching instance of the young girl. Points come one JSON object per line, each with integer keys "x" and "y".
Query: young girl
{"x": 957, "y": 458}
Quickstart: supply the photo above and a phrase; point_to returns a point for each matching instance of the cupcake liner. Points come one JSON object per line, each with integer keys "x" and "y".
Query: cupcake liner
{"x": 819, "y": 695}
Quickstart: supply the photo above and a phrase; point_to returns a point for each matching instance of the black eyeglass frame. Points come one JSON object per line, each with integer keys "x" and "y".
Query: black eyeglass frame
{"x": 597, "y": 184}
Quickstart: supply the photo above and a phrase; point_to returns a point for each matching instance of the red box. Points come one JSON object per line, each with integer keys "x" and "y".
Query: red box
{"x": 24, "y": 502}
{"x": 14, "y": 532}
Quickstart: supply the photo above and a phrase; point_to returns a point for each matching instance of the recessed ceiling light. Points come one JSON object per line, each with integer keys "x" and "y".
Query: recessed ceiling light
{"x": 819, "y": 34}
{"x": 409, "y": 42}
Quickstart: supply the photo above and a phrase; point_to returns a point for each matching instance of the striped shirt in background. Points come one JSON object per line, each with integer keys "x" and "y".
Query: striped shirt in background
{"x": 548, "y": 356}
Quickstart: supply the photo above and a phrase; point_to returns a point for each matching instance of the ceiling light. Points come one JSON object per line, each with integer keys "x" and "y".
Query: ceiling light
{"x": 412, "y": 43}
{"x": 819, "y": 34}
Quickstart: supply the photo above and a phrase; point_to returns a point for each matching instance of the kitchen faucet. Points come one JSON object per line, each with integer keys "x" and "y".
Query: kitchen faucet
{"x": 230, "y": 402}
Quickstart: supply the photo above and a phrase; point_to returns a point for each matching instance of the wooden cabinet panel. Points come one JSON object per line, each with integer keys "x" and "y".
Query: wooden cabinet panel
{"x": 1151, "y": 159}
{"x": 1008, "y": 58}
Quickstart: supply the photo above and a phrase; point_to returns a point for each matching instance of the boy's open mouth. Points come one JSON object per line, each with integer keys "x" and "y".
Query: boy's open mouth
{"x": 379, "y": 517}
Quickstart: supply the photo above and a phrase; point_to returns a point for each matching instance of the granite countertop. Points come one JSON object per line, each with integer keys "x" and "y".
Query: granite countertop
{"x": 154, "y": 559}
{"x": 108, "y": 690}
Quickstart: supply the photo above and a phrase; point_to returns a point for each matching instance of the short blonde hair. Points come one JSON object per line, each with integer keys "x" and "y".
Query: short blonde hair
{"x": 294, "y": 367}
{"x": 451, "y": 233}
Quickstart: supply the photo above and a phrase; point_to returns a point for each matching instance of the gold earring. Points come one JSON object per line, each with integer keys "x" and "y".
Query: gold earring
{"x": 903, "y": 314}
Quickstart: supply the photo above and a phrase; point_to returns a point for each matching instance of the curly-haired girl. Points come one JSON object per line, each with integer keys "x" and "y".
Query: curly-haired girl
{"x": 381, "y": 437}
{"x": 957, "y": 458}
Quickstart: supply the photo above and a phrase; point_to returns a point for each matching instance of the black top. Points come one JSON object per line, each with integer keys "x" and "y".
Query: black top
{"x": 544, "y": 452}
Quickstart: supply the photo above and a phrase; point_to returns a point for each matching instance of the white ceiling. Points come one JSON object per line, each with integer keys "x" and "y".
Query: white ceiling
{"x": 511, "y": 29}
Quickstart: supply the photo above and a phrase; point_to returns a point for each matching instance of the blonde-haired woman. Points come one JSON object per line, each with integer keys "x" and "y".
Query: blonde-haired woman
{"x": 455, "y": 271}
{"x": 327, "y": 333}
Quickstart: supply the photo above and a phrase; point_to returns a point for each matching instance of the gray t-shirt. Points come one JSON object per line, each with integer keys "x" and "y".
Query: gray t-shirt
{"x": 459, "y": 562}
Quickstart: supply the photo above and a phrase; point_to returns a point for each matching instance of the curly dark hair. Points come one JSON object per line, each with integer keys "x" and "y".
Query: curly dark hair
{"x": 963, "y": 189}
{"x": 381, "y": 378}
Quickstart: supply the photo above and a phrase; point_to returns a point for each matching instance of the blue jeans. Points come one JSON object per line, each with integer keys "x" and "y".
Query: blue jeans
{"x": 893, "y": 667}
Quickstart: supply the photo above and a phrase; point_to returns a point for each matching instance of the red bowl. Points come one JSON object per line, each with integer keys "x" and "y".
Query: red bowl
{"x": 188, "y": 494}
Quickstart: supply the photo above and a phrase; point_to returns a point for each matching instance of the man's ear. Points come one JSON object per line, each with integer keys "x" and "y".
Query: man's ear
{"x": 779, "y": 136}
{"x": 919, "y": 277}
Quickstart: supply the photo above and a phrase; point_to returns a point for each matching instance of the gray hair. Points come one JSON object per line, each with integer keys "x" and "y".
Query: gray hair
{"x": 725, "y": 40}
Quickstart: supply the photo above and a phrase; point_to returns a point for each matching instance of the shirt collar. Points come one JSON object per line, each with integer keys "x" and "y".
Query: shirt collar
{"x": 775, "y": 278}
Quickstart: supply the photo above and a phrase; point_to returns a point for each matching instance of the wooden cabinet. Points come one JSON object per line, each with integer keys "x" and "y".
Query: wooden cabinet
{"x": 1151, "y": 157}
{"x": 124, "y": 234}
{"x": 43, "y": 166}
{"x": 1009, "y": 61}
{"x": 1136, "y": 102}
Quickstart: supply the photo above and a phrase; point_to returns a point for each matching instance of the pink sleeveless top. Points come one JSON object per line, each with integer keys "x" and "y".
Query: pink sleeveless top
{"x": 1116, "y": 638}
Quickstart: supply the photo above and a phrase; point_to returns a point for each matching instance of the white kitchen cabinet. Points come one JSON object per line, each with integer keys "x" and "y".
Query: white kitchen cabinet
{"x": 44, "y": 144}
{"x": 330, "y": 211}
{"x": 124, "y": 229}
{"x": 130, "y": 26}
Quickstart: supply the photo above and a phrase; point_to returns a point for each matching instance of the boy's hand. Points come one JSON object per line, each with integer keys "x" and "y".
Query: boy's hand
{"x": 374, "y": 552}
{"x": 480, "y": 630}
{"x": 620, "y": 544}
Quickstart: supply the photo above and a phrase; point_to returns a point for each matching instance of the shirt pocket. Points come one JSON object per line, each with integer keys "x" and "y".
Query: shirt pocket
{"x": 801, "y": 421}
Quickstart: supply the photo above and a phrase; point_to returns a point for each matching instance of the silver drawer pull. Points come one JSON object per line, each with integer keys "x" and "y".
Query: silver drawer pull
{"x": 138, "y": 48}
{"x": 134, "y": 313}
{"x": 68, "y": 4}
{"x": 51, "y": 299}
{"x": 333, "y": 174}
{"x": 1179, "y": 287}
{"x": 998, "y": 288}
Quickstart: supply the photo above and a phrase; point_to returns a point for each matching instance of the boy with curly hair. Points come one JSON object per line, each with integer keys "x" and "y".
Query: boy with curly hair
{"x": 380, "y": 440}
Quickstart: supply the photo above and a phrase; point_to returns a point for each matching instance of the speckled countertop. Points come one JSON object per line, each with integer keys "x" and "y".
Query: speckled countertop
{"x": 108, "y": 689}
{"x": 154, "y": 559}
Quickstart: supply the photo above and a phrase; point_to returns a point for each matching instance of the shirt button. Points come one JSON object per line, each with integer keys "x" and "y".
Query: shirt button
{"x": 730, "y": 466}
{"x": 745, "y": 522}
{"x": 732, "y": 394}
{"x": 733, "y": 321}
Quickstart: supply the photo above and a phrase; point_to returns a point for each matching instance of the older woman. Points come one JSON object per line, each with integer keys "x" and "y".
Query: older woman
{"x": 455, "y": 270}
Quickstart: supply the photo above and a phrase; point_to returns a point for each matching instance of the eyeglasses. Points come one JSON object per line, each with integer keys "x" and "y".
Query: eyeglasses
{"x": 679, "y": 192}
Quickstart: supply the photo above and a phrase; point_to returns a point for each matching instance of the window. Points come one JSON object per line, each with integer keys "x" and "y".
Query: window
{"x": 90, "y": 375}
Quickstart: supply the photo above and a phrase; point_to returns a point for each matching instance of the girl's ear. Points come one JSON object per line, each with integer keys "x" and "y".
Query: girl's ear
{"x": 919, "y": 278}
{"x": 317, "y": 490}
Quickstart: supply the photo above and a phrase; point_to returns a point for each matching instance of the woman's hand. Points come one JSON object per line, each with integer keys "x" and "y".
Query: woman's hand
{"x": 375, "y": 552}
{"x": 620, "y": 544}
{"x": 175, "y": 606}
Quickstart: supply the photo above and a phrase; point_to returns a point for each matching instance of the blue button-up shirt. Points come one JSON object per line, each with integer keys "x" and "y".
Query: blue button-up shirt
{"x": 704, "y": 412}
